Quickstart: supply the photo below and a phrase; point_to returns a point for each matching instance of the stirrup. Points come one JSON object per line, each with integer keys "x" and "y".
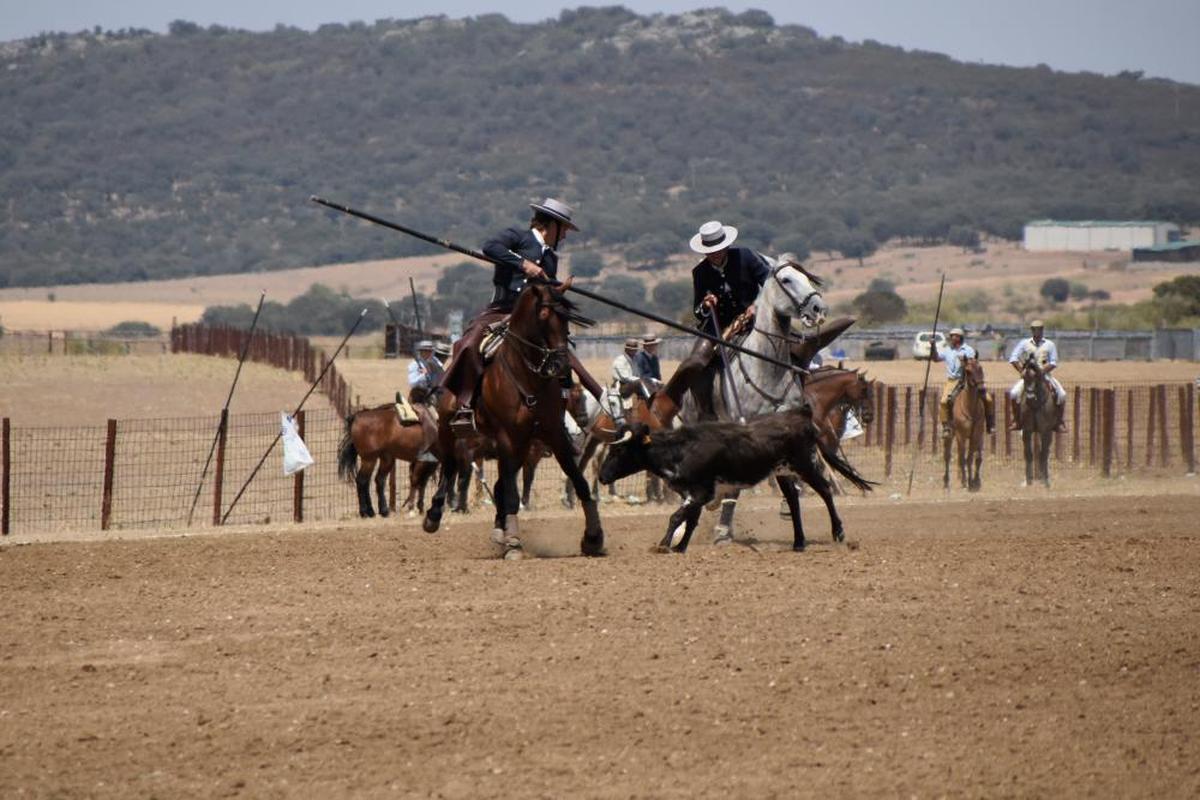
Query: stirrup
{"x": 463, "y": 421}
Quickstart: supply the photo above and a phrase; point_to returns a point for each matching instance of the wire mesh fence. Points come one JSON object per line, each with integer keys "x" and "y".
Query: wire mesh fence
{"x": 76, "y": 343}
{"x": 145, "y": 473}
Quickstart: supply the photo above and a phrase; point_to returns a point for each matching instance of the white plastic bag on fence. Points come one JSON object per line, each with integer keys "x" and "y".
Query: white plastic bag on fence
{"x": 295, "y": 454}
{"x": 853, "y": 427}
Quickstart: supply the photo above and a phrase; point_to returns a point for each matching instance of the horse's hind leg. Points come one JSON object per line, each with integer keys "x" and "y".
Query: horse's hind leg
{"x": 386, "y": 465}
{"x": 946, "y": 464}
{"x": 362, "y": 482}
{"x": 815, "y": 478}
{"x": 433, "y": 517}
{"x": 791, "y": 496}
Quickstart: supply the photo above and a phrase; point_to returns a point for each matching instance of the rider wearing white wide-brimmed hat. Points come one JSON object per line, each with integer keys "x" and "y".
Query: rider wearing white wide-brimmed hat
{"x": 724, "y": 287}
{"x": 953, "y": 354}
{"x": 1046, "y": 354}
{"x": 424, "y": 372}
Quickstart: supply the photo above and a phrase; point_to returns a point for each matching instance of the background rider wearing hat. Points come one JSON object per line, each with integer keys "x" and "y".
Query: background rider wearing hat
{"x": 523, "y": 254}
{"x": 647, "y": 360}
{"x": 424, "y": 372}
{"x": 953, "y": 355}
{"x": 1046, "y": 354}
{"x": 726, "y": 282}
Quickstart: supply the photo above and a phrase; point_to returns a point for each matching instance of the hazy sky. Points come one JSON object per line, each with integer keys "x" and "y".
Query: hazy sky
{"x": 1106, "y": 36}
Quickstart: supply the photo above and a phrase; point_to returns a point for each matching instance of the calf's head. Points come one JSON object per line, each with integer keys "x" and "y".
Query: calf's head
{"x": 627, "y": 455}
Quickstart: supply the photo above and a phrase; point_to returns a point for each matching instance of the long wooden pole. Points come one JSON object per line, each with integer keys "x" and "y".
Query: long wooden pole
{"x": 299, "y": 406}
{"x": 224, "y": 421}
{"x": 937, "y": 314}
{"x": 467, "y": 251}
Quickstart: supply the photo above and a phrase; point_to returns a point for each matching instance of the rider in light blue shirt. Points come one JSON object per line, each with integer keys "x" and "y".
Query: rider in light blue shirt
{"x": 953, "y": 356}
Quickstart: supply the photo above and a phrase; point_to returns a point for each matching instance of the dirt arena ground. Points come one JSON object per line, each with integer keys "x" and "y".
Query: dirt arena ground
{"x": 1030, "y": 647}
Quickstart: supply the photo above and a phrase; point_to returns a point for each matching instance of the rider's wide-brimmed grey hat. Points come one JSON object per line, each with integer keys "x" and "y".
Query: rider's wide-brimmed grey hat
{"x": 556, "y": 209}
{"x": 956, "y": 332}
{"x": 425, "y": 344}
{"x": 442, "y": 348}
{"x": 650, "y": 338}
{"x": 1037, "y": 323}
{"x": 713, "y": 236}
{"x": 633, "y": 343}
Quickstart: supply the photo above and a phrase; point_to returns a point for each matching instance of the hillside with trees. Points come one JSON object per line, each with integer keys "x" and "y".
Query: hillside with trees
{"x": 130, "y": 155}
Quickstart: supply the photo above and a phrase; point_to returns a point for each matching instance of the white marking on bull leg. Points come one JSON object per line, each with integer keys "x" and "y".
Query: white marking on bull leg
{"x": 723, "y": 531}
{"x": 677, "y": 534}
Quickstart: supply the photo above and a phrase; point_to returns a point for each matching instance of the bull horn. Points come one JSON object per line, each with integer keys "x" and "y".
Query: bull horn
{"x": 625, "y": 437}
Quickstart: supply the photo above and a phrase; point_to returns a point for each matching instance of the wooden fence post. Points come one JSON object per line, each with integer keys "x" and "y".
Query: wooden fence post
{"x": 935, "y": 434}
{"x": 1187, "y": 421}
{"x": 1107, "y": 427}
{"x": 110, "y": 452}
{"x": 1151, "y": 426}
{"x": 1076, "y": 411}
{"x": 890, "y": 431}
{"x": 1007, "y": 424}
{"x": 1094, "y": 431}
{"x": 392, "y": 486}
{"x": 1129, "y": 430}
{"x": 6, "y": 478}
{"x": 219, "y": 472}
{"x": 298, "y": 480}
{"x": 907, "y": 416}
{"x": 1164, "y": 450}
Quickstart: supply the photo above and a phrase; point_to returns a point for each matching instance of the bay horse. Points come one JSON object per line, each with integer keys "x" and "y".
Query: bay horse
{"x": 471, "y": 452}
{"x": 967, "y": 420}
{"x": 376, "y": 437}
{"x": 1038, "y": 416}
{"x": 520, "y": 398}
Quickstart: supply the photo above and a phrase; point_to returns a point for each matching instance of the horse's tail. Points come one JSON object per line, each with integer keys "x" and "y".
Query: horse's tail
{"x": 347, "y": 453}
{"x": 842, "y": 467}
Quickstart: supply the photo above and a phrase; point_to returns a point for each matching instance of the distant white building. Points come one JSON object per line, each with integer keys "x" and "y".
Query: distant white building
{"x": 1083, "y": 235}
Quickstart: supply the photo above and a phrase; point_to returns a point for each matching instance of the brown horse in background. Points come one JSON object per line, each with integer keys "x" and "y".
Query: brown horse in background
{"x": 375, "y": 436}
{"x": 1038, "y": 416}
{"x": 520, "y": 400}
{"x": 967, "y": 420}
{"x": 470, "y": 453}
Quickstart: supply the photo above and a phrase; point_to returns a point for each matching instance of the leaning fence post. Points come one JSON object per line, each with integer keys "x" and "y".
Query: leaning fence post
{"x": 219, "y": 471}
{"x": 1164, "y": 449}
{"x": 298, "y": 480}
{"x": 907, "y": 416}
{"x": 1110, "y": 422}
{"x": 110, "y": 451}
{"x": 6, "y": 478}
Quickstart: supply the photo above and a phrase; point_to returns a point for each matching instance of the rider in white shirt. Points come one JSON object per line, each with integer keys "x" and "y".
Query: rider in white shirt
{"x": 424, "y": 372}
{"x": 953, "y": 357}
{"x": 1047, "y": 356}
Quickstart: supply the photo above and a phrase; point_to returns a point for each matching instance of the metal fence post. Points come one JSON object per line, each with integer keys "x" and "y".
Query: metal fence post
{"x": 110, "y": 451}
{"x": 298, "y": 480}
{"x": 219, "y": 471}
{"x": 6, "y": 478}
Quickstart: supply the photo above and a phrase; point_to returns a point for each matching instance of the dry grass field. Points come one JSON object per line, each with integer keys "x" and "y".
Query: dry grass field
{"x": 87, "y": 390}
{"x": 1003, "y": 269}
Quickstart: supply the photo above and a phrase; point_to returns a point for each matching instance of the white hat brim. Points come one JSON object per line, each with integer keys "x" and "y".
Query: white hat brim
{"x": 730, "y": 234}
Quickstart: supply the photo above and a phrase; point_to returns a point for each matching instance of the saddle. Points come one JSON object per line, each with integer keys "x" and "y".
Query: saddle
{"x": 405, "y": 411}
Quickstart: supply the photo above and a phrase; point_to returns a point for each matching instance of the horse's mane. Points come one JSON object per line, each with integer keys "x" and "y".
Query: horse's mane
{"x": 565, "y": 306}
{"x": 830, "y": 371}
{"x": 796, "y": 265}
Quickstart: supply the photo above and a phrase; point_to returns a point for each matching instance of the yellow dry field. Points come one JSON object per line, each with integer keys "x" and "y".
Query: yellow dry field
{"x": 97, "y": 306}
{"x": 1004, "y": 268}
{"x": 87, "y": 390}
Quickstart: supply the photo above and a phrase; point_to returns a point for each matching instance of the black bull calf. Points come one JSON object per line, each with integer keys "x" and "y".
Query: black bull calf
{"x": 694, "y": 459}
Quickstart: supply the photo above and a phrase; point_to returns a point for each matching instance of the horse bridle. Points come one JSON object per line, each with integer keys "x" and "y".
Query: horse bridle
{"x": 801, "y": 304}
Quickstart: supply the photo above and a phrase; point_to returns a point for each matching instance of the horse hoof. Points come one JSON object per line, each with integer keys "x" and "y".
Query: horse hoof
{"x": 593, "y": 546}
{"x": 497, "y": 535}
{"x": 431, "y": 525}
{"x": 838, "y": 536}
{"x": 722, "y": 536}
{"x": 799, "y": 548}
{"x": 513, "y": 554}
